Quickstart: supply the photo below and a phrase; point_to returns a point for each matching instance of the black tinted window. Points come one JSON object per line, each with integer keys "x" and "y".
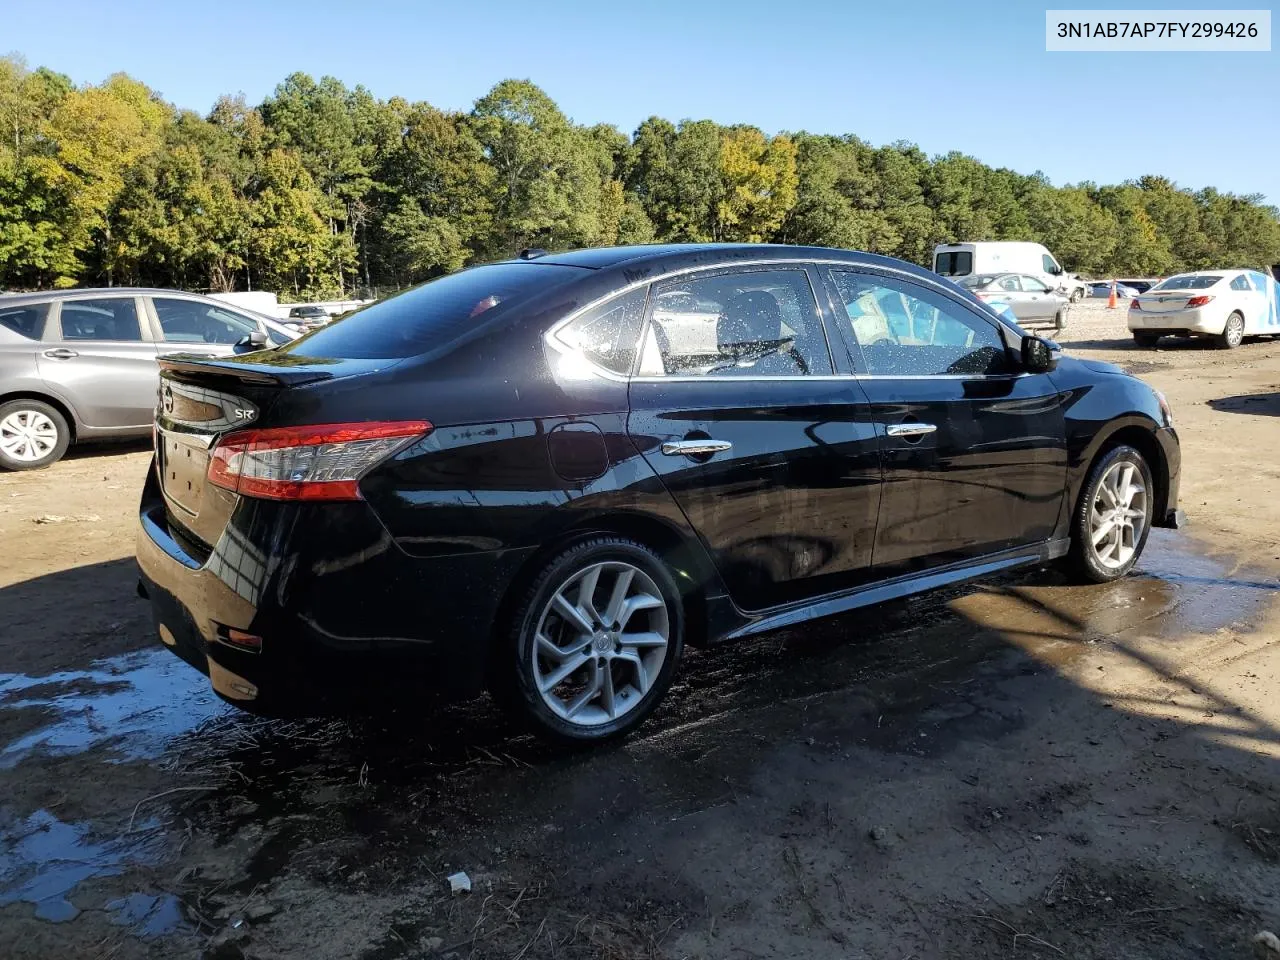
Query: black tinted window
{"x": 904, "y": 330}
{"x": 748, "y": 323}
{"x": 608, "y": 334}
{"x": 1197, "y": 281}
{"x": 27, "y": 320}
{"x": 109, "y": 318}
{"x": 432, "y": 314}
{"x": 957, "y": 263}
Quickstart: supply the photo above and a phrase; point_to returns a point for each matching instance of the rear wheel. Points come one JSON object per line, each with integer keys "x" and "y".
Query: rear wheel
{"x": 1060, "y": 321}
{"x": 1113, "y": 517}
{"x": 1147, "y": 340}
{"x": 594, "y": 643}
{"x": 32, "y": 435}
{"x": 1233, "y": 333}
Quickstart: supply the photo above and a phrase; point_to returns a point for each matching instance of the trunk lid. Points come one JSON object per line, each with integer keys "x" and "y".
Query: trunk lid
{"x": 201, "y": 399}
{"x": 1167, "y": 302}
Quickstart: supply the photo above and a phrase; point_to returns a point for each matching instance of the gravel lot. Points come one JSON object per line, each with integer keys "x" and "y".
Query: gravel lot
{"x": 1016, "y": 768}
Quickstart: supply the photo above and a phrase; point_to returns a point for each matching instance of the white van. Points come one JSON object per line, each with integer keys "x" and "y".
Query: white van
{"x": 956, "y": 260}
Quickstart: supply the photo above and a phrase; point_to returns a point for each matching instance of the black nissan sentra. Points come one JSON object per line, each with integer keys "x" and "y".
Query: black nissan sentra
{"x": 546, "y": 476}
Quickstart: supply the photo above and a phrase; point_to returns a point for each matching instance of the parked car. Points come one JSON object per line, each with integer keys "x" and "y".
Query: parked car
{"x": 81, "y": 364}
{"x": 1139, "y": 285}
{"x": 1029, "y": 299}
{"x": 519, "y": 475}
{"x": 1227, "y": 305}
{"x": 1102, "y": 289}
{"x": 309, "y": 317}
{"x": 960, "y": 260}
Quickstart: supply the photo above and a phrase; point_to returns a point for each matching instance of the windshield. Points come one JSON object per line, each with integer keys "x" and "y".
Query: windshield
{"x": 427, "y": 316}
{"x": 1188, "y": 281}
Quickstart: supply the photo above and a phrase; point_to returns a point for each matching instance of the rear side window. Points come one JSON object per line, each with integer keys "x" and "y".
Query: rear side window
{"x": 955, "y": 263}
{"x": 428, "y": 316}
{"x": 609, "y": 334}
{"x": 27, "y": 320}
{"x": 1241, "y": 283}
{"x": 109, "y": 318}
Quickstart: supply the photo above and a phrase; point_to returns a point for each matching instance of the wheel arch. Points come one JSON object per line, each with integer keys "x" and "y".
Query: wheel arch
{"x": 680, "y": 550}
{"x": 1142, "y": 439}
{"x": 64, "y": 408}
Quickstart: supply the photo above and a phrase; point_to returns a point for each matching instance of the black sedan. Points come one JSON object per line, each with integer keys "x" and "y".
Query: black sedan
{"x": 546, "y": 476}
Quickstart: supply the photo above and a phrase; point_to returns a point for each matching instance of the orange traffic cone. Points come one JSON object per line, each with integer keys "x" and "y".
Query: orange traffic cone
{"x": 1111, "y": 300}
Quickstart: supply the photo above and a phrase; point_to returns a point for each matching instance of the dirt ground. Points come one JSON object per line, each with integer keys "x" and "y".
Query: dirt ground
{"x": 1015, "y": 768}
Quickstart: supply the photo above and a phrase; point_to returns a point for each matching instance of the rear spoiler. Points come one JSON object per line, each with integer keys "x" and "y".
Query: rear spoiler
{"x": 249, "y": 371}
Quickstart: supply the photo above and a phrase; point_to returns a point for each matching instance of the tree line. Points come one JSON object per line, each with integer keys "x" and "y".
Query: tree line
{"x": 322, "y": 190}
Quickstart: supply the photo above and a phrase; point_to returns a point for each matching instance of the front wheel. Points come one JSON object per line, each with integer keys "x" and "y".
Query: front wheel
{"x": 1233, "y": 333}
{"x": 32, "y": 435}
{"x": 1113, "y": 517}
{"x": 593, "y": 644}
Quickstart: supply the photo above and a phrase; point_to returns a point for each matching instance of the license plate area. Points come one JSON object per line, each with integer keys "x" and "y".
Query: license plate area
{"x": 184, "y": 464}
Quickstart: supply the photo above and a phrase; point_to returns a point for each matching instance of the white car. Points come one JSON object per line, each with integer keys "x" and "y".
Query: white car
{"x": 1228, "y": 305}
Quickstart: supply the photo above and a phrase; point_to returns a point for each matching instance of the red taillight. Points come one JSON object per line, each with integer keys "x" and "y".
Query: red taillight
{"x": 1134, "y": 304}
{"x": 1198, "y": 301}
{"x": 321, "y": 462}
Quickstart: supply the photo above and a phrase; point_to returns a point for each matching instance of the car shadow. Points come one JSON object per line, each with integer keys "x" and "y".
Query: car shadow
{"x": 107, "y": 447}
{"x": 1258, "y": 404}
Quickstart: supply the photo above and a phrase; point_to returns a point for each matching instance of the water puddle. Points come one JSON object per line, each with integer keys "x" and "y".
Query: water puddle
{"x": 137, "y": 703}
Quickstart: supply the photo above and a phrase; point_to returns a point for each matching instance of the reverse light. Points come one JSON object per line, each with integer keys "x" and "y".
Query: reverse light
{"x": 320, "y": 462}
{"x": 1198, "y": 301}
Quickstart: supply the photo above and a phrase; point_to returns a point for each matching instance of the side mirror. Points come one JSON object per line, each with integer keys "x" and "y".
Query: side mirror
{"x": 257, "y": 340}
{"x": 1038, "y": 355}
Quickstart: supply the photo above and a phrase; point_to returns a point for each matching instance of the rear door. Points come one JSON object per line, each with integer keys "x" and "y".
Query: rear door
{"x": 973, "y": 448}
{"x": 769, "y": 453}
{"x": 1036, "y": 302}
{"x": 100, "y": 356}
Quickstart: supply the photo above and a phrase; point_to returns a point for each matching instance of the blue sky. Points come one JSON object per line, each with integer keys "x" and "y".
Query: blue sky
{"x": 969, "y": 76}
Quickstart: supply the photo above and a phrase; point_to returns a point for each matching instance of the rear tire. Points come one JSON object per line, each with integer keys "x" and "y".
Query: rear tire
{"x": 1060, "y": 321}
{"x": 1233, "y": 334}
{"x": 1146, "y": 340}
{"x": 592, "y": 646}
{"x": 32, "y": 435}
{"x": 1112, "y": 518}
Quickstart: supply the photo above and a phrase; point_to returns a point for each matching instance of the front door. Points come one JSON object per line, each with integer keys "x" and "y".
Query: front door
{"x": 193, "y": 326}
{"x": 769, "y": 454}
{"x": 97, "y": 355}
{"x": 973, "y": 448}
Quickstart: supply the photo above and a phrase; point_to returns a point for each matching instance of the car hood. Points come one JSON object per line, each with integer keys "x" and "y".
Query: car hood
{"x": 1093, "y": 366}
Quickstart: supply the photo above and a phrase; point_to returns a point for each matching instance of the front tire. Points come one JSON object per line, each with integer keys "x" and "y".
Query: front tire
{"x": 1233, "y": 334}
{"x": 592, "y": 646}
{"x": 1146, "y": 340}
{"x": 32, "y": 435}
{"x": 1113, "y": 517}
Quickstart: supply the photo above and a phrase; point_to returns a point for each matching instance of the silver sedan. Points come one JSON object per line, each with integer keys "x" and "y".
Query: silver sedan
{"x": 1030, "y": 300}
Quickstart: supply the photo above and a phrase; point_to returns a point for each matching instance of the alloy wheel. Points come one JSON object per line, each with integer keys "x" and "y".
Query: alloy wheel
{"x": 27, "y": 436}
{"x": 1235, "y": 329}
{"x": 1118, "y": 515}
{"x": 600, "y": 644}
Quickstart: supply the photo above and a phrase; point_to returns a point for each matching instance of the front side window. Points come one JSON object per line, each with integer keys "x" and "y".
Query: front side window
{"x": 608, "y": 334}
{"x": 747, "y": 323}
{"x": 903, "y": 330}
{"x": 1050, "y": 264}
{"x": 26, "y": 320}
{"x": 190, "y": 321}
{"x": 108, "y": 318}
{"x": 956, "y": 263}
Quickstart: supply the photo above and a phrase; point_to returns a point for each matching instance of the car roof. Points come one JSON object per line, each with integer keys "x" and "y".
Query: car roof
{"x": 40, "y": 296}
{"x": 653, "y": 260}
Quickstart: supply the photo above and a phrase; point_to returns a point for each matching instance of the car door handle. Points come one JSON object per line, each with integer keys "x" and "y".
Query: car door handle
{"x": 60, "y": 353}
{"x": 910, "y": 429}
{"x": 695, "y": 448}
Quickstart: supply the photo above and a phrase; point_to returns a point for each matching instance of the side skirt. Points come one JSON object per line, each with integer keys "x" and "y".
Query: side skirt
{"x": 894, "y": 589}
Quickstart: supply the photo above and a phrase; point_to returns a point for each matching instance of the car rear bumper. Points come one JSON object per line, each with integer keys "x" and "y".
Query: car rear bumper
{"x": 346, "y": 618}
{"x": 1190, "y": 321}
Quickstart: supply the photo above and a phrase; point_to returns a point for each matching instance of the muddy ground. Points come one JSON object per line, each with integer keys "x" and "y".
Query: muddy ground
{"x": 1016, "y": 768}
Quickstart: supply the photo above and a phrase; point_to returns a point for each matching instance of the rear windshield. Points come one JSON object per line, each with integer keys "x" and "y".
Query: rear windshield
{"x": 1189, "y": 281}
{"x": 27, "y": 319}
{"x": 427, "y": 316}
{"x": 955, "y": 263}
